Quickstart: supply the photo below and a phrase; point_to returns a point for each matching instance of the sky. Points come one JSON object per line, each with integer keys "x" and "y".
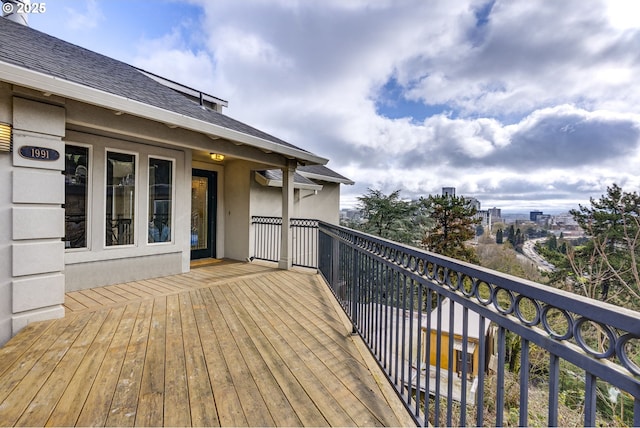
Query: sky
{"x": 524, "y": 105}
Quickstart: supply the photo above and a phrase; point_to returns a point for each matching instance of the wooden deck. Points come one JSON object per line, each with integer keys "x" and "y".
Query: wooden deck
{"x": 224, "y": 345}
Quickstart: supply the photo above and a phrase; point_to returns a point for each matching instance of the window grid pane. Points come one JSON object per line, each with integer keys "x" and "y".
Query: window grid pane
{"x": 160, "y": 200}
{"x": 76, "y": 191}
{"x": 120, "y": 197}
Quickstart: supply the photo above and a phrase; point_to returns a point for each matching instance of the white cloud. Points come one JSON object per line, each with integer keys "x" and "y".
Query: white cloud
{"x": 542, "y": 102}
{"x": 88, "y": 18}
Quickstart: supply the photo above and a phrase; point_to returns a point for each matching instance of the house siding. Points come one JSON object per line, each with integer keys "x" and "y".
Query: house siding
{"x": 321, "y": 205}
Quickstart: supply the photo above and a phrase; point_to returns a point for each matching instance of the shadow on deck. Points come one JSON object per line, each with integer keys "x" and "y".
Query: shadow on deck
{"x": 225, "y": 344}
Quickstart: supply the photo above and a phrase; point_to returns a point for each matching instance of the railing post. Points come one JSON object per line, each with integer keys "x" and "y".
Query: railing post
{"x": 354, "y": 290}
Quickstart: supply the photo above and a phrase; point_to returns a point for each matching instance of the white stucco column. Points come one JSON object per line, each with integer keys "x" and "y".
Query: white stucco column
{"x": 286, "y": 242}
{"x": 37, "y": 225}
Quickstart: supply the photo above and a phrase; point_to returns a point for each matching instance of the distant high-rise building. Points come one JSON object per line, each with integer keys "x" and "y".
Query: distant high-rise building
{"x": 533, "y": 215}
{"x": 449, "y": 191}
{"x": 496, "y": 213}
{"x": 473, "y": 202}
{"x": 485, "y": 218}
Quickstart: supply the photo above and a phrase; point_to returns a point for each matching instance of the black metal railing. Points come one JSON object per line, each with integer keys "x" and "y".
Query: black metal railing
{"x": 464, "y": 345}
{"x": 267, "y": 237}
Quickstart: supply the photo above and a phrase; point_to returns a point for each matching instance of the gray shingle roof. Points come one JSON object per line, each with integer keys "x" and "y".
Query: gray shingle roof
{"x": 322, "y": 172}
{"x": 276, "y": 175}
{"x": 31, "y": 49}
{"x": 306, "y": 174}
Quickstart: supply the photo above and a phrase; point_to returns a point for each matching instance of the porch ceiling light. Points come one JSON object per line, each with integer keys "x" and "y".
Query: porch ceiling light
{"x": 217, "y": 157}
{"x": 5, "y": 137}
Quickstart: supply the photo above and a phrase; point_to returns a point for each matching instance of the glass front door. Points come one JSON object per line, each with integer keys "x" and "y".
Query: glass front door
{"x": 203, "y": 214}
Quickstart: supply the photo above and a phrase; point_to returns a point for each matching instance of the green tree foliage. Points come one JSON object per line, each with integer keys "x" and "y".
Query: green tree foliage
{"x": 499, "y": 236}
{"x": 454, "y": 225}
{"x": 511, "y": 235}
{"x": 390, "y": 217}
{"x": 608, "y": 265}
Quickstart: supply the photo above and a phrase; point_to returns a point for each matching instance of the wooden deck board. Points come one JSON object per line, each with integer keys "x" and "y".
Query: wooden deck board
{"x": 176, "y": 399}
{"x": 238, "y": 344}
{"x": 68, "y": 408}
{"x": 203, "y": 413}
{"x": 125, "y": 398}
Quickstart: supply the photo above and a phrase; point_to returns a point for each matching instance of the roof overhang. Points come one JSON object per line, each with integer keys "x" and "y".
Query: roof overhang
{"x": 261, "y": 179}
{"x": 49, "y": 84}
{"x": 322, "y": 177}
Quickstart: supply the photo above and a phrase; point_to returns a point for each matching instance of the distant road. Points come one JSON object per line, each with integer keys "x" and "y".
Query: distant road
{"x": 528, "y": 249}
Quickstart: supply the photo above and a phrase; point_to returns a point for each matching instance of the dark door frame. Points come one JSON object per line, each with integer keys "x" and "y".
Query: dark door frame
{"x": 212, "y": 185}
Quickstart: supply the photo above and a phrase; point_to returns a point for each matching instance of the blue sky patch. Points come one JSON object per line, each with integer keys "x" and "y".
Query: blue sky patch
{"x": 391, "y": 103}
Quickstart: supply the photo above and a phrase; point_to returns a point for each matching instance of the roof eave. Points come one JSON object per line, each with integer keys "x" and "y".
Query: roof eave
{"x": 267, "y": 182}
{"x": 322, "y": 177}
{"x": 21, "y": 76}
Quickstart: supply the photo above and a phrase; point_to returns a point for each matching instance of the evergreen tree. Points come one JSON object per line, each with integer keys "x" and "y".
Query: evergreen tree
{"x": 454, "y": 225}
{"x": 390, "y": 217}
{"x": 511, "y": 236}
{"x": 499, "y": 237}
{"x": 608, "y": 265}
{"x": 519, "y": 239}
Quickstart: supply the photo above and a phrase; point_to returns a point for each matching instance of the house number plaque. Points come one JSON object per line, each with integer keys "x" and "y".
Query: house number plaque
{"x": 39, "y": 153}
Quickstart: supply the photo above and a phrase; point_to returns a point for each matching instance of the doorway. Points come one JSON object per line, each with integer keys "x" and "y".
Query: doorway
{"x": 204, "y": 185}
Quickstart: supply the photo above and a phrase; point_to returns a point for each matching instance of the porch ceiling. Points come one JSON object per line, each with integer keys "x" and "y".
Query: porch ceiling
{"x": 228, "y": 344}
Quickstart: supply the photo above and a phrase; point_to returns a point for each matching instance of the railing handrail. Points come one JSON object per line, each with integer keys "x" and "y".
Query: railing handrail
{"x": 598, "y": 310}
{"x": 430, "y": 271}
{"x": 267, "y": 239}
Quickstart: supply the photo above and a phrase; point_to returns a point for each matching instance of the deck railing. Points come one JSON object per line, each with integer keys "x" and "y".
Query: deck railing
{"x": 267, "y": 237}
{"x": 513, "y": 335}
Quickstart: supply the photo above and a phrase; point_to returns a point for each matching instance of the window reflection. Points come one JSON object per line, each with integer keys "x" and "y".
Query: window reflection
{"x": 160, "y": 200}
{"x": 76, "y": 192}
{"x": 120, "y": 195}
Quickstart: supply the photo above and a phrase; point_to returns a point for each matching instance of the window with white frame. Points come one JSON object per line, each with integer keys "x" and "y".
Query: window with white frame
{"x": 76, "y": 193}
{"x": 160, "y": 200}
{"x": 120, "y": 198}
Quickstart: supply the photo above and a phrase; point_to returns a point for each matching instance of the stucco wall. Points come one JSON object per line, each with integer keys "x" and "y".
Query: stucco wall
{"x": 5, "y": 254}
{"x": 93, "y": 266}
{"x": 5, "y": 219}
{"x": 237, "y": 216}
{"x": 37, "y": 217}
{"x": 322, "y": 205}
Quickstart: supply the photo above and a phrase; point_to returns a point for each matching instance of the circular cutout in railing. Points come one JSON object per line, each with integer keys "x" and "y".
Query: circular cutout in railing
{"x": 467, "y": 285}
{"x": 484, "y": 293}
{"x": 503, "y": 300}
{"x": 405, "y": 260}
{"x": 431, "y": 270}
{"x": 595, "y": 338}
{"x": 628, "y": 344}
{"x": 451, "y": 279}
{"x": 527, "y": 310}
{"x": 557, "y": 322}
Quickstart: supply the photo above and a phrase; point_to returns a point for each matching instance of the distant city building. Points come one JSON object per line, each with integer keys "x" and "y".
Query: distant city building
{"x": 543, "y": 219}
{"x": 564, "y": 220}
{"x": 449, "y": 191}
{"x": 496, "y": 214}
{"x": 485, "y": 218}
{"x": 533, "y": 215}
{"x": 350, "y": 214}
{"x": 473, "y": 202}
